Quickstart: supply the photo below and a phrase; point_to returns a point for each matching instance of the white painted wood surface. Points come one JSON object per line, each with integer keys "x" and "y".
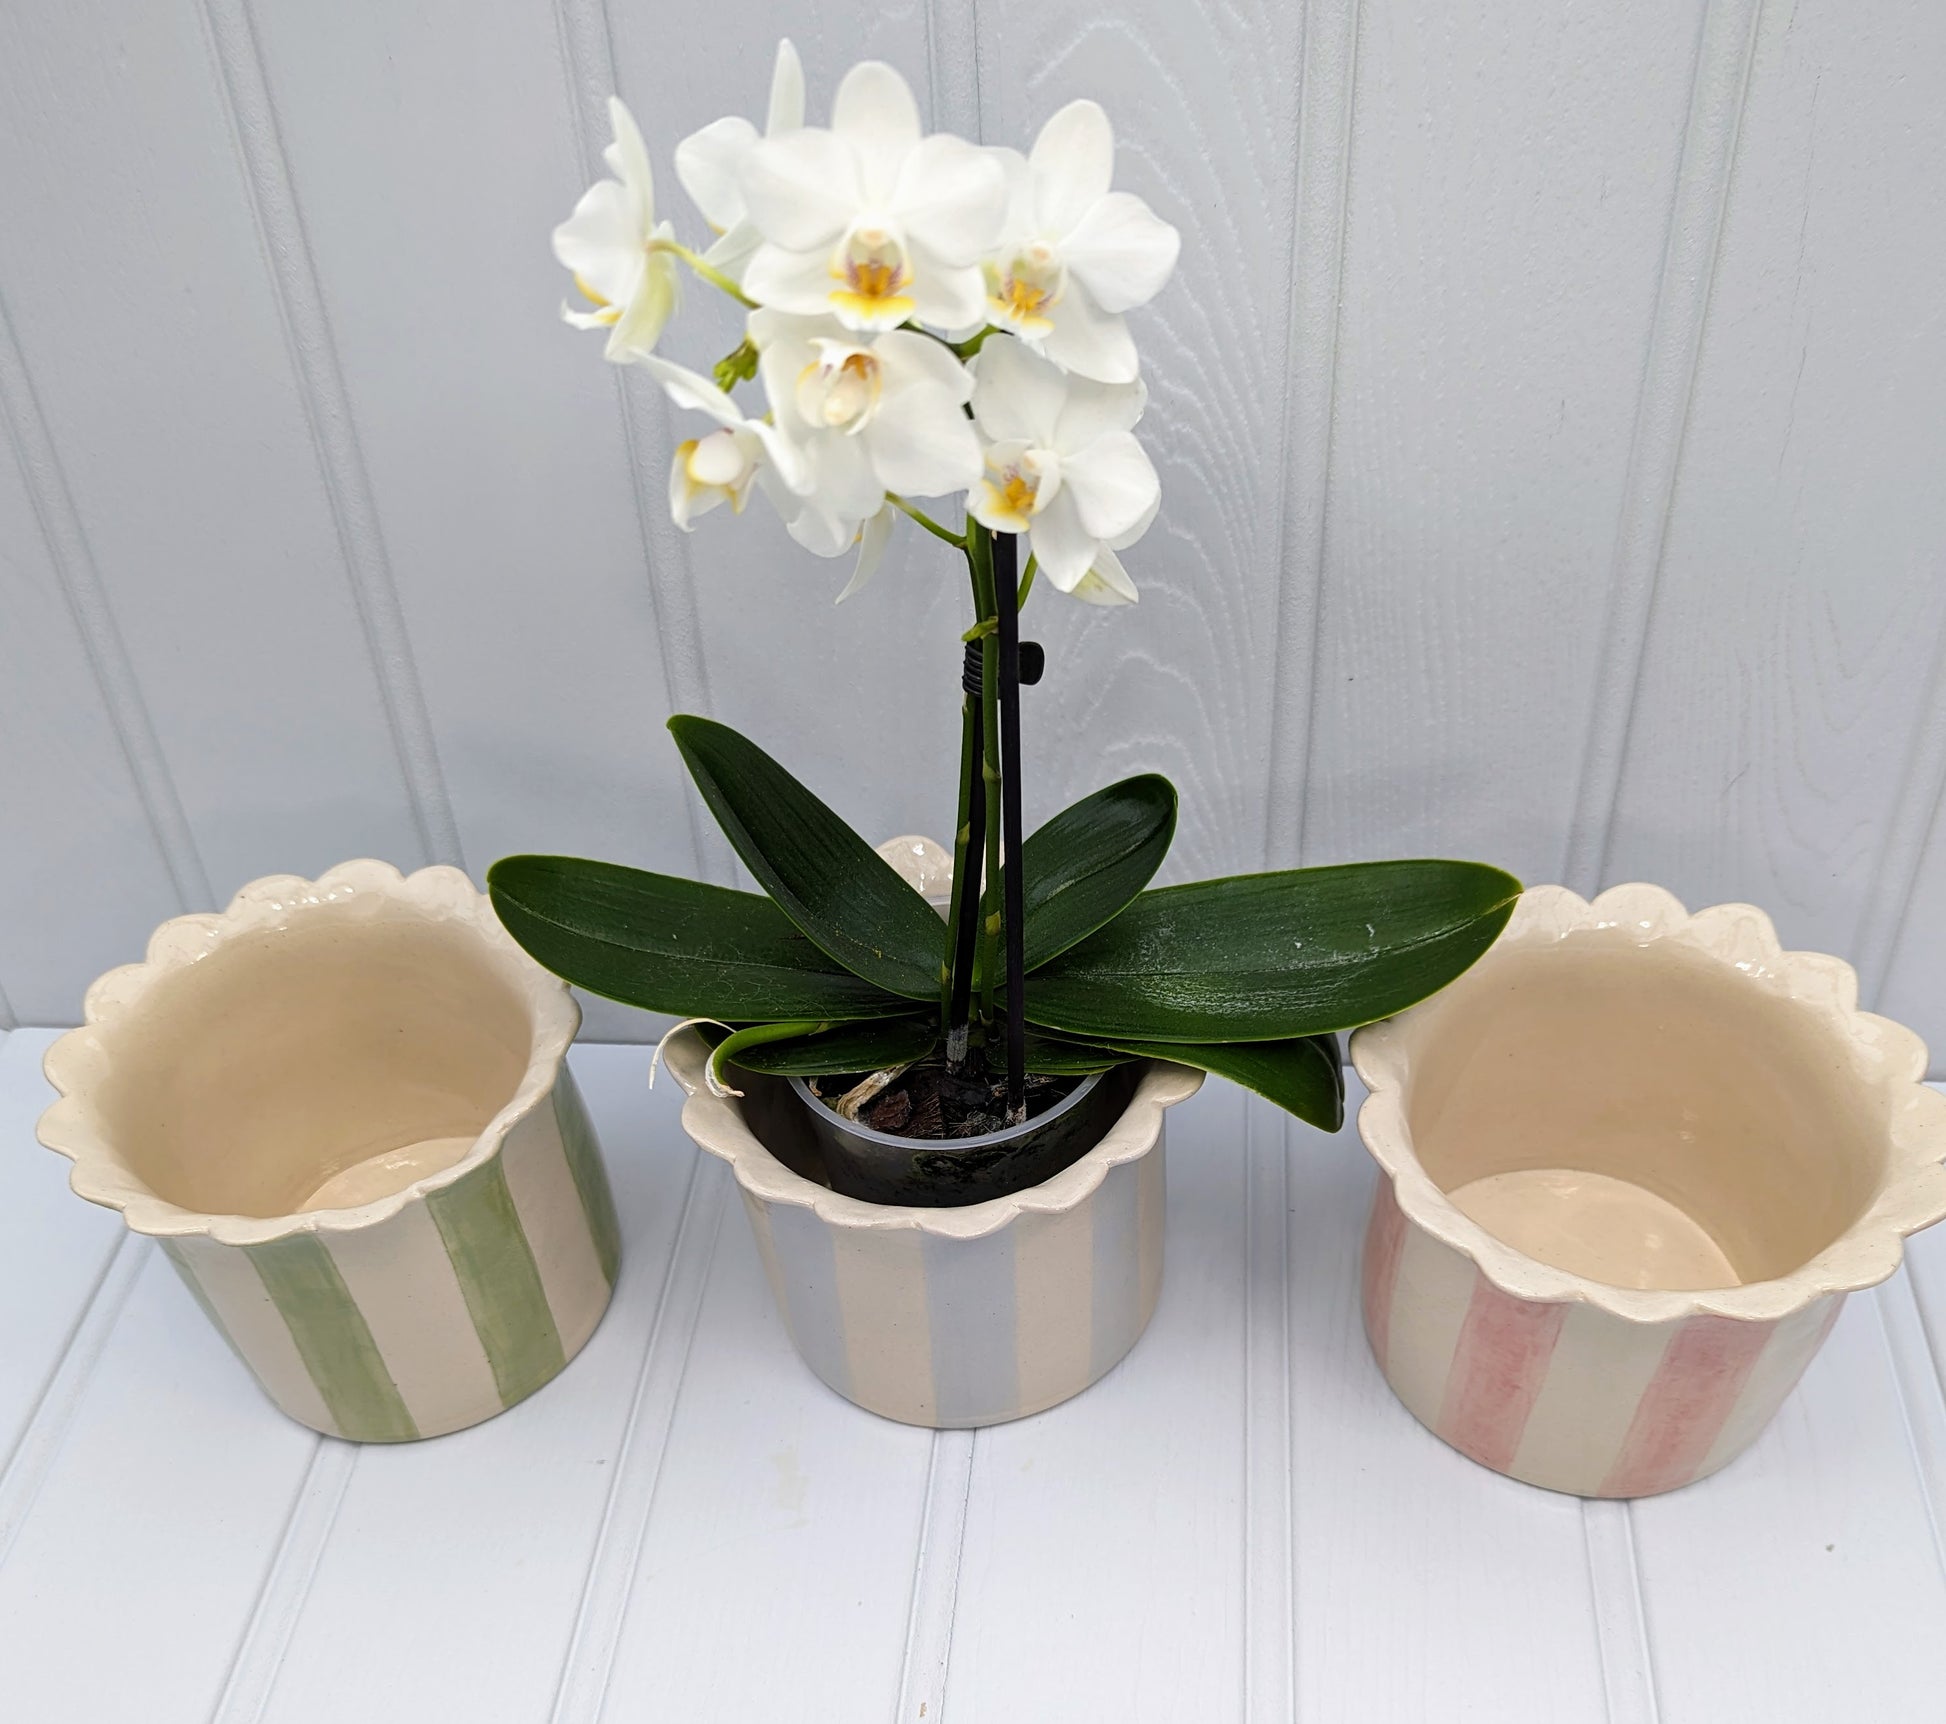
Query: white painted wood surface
{"x": 1547, "y": 407}
{"x": 1239, "y": 1522}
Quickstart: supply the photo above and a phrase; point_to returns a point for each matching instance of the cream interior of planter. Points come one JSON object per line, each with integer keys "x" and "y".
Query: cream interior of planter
{"x": 319, "y": 1064}
{"x": 1641, "y": 1115}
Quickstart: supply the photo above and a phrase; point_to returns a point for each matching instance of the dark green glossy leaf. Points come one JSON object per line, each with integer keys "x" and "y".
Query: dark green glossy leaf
{"x": 1086, "y": 864}
{"x": 821, "y": 874}
{"x": 1056, "y": 1056}
{"x": 859, "y": 1047}
{"x": 673, "y": 945}
{"x": 1303, "y": 1075}
{"x": 1263, "y": 957}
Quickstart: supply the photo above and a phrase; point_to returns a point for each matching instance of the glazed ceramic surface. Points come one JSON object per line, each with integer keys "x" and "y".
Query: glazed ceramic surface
{"x": 1634, "y": 1160}
{"x": 343, "y": 1110}
{"x": 949, "y": 1317}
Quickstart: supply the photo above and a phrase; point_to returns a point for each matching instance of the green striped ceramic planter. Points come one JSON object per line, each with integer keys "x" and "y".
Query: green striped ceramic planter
{"x": 472, "y": 1242}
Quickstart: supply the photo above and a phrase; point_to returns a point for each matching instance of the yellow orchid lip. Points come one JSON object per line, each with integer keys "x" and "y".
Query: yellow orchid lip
{"x": 886, "y": 312}
{"x": 873, "y": 272}
{"x": 840, "y": 389}
{"x": 1010, "y": 502}
{"x": 605, "y": 312}
{"x": 1022, "y": 293}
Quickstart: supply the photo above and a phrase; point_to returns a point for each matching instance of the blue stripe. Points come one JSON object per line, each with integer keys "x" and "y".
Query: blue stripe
{"x": 970, "y": 1302}
{"x": 1117, "y": 1302}
{"x": 807, "y": 1264}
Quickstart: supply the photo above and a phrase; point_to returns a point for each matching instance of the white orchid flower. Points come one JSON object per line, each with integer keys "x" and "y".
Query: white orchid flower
{"x": 870, "y": 222}
{"x": 718, "y": 468}
{"x": 1074, "y": 255}
{"x": 872, "y": 538}
{"x": 609, "y": 244}
{"x": 817, "y": 525}
{"x": 721, "y": 466}
{"x": 1106, "y": 582}
{"x": 710, "y": 164}
{"x": 867, "y": 413}
{"x": 1062, "y": 465}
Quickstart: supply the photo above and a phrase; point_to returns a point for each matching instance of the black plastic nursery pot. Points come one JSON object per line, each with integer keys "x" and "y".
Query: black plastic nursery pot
{"x": 950, "y": 1173}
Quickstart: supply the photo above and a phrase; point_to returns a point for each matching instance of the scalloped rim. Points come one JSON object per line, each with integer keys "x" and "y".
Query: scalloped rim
{"x": 76, "y": 1059}
{"x": 1740, "y": 937}
{"x": 717, "y": 1125}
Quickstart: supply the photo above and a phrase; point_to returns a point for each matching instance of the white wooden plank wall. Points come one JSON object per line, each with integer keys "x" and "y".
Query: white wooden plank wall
{"x": 1547, "y": 406}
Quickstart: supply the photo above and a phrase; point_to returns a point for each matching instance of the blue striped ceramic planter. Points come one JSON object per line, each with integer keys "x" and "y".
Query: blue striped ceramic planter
{"x": 950, "y": 1317}
{"x": 342, "y": 1109}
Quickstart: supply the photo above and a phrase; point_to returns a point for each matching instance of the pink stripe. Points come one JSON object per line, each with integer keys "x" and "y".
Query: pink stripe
{"x": 1498, "y": 1369}
{"x": 1683, "y": 1409}
{"x": 1384, "y": 1240}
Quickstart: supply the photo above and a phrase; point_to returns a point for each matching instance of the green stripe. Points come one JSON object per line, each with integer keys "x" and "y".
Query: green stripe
{"x": 176, "y": 1255}
{"x": 495, "y": 1265}
{"x": 590, "y": 1177}
{"x": 332, "y": 1339}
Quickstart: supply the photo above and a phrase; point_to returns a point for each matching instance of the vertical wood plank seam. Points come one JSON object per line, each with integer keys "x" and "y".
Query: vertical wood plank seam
{"x": 1726, "y": 46}
{"x": 1621, "y": 1619}
{"x": 1895, "y": 879}
{"x": 94, "y": 622}
{"x": 1321, "y": 200}
{"x": 589, "y": 1662}
{"x": 588, "y": 61}
{"x": 288, "y": 261}
{"x": 1269, "y": 1481}
{"x": 33, "y": 1454}
{"x": 286, "y": 1587}
{"x": 925, "y": 1667}
{"x": 953, "y": 66}
{"x": 953, "y": 78}
{"x": 1921, "y": 1394}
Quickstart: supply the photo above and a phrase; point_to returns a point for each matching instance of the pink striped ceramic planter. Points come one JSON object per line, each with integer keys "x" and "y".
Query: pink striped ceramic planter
{"x": 1632, "y": 1162}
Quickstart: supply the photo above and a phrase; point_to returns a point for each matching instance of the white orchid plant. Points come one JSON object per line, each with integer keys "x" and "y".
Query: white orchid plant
{"x": 932, "y": 319}
{"x": 893, "y": 279}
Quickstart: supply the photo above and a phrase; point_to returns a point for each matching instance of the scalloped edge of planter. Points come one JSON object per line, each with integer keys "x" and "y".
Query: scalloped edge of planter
{"x": 77, "y": 1060}
{"x": 1885, "y": 1055}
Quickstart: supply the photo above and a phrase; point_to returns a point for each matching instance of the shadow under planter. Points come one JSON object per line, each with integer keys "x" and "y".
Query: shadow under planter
{"x": 342, "y": 1108}
{"x": 1633, "y": 1162}
{"x": 949, "y": 1317}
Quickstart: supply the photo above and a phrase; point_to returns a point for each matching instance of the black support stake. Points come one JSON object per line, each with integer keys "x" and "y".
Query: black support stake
{"x": 966, "y": 932}
{"x": 1006, "y": 582}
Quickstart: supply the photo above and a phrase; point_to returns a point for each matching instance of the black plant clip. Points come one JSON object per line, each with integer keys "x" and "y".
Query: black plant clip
{"x": 1033, "y": 666}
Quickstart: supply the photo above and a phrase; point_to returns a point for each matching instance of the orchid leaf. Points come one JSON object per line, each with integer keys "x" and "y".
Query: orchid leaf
{"x": 853, "y": 1047}
{"x": 1267, "y": 957}
{"x": 1303, "y": 1075}
{"x": 1085, "y": 865}
{"x": 1058, "y": 1056}
{"x": 825, "y": 878}
{"x": 672, "y": 945}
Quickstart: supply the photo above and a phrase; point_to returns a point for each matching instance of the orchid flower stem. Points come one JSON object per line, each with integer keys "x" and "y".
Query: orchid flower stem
{"x": 1027, "y": 583}
{"x": 708, "y": 271}
{"x": 926, "y": 521}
